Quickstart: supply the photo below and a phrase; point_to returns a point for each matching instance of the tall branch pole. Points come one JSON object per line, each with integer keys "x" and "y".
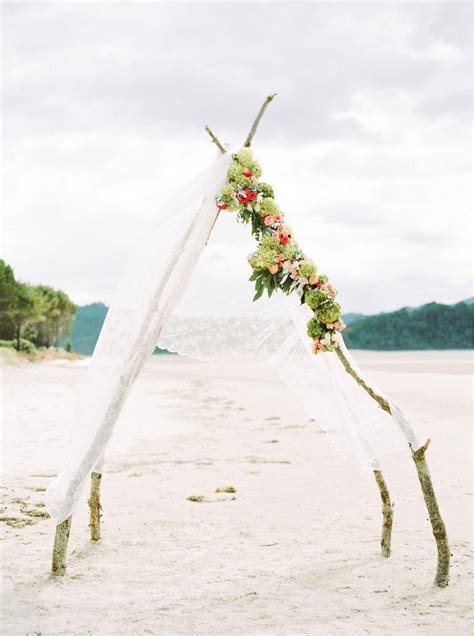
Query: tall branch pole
{"x": 387, "y": 513}
{"x": 95, "y": 508}
{"x": 437, "y": 524}
{"x": 255, "y": 124}
{"x": 61, "y": 538}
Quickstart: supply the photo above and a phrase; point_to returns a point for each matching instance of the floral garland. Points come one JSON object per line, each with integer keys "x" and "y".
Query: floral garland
{"x": 278, "y": 262}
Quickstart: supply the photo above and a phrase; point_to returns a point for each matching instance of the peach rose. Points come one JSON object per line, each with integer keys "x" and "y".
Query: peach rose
{"x": 273, "y": 269}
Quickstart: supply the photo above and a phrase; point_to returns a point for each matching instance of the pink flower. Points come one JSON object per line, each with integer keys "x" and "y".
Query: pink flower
{"x": 317, "y": 346}
{"x": 277, "y": 217}
{"x": 286, "y": 265}
{"x": 269, "y": 220}
{"x": 253, "y": 179}
{"x": 313, "y": 280}
{"x": 303, "y": 281}
{"x": 273, "y": 269}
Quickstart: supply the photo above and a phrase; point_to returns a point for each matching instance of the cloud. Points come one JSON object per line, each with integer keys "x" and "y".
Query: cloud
{"x": 367, "y": 143}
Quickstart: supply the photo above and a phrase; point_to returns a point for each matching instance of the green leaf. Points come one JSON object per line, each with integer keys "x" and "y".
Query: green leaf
{"x": 258, "y": 293}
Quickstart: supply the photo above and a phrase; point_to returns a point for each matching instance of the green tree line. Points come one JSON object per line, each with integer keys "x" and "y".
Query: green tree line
{"x": 34, "y": 314}
{"x": 432, "y": 326}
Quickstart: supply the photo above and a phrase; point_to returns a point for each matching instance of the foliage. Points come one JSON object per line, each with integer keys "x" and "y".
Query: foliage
{"x": 432, "y": 326}
{"x": 278, "y": 262}
{"x": 41, "y": 314}
{"x": 57, "y": 314}
{"x": 25, "y": 345}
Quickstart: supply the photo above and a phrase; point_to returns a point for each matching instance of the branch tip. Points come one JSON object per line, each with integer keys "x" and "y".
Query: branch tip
{"x": 253, "y": 130}
{"x": 214, "y": 139}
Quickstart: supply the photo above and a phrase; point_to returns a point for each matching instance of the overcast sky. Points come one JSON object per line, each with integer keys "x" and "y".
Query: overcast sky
{"x": 368, "y": 143}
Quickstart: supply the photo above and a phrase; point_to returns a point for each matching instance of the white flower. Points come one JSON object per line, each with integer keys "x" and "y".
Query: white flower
{"x": 326, "y": 339}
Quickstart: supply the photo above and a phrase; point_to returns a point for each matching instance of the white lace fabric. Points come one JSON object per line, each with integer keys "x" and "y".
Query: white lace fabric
{"x": 176, "y": 292}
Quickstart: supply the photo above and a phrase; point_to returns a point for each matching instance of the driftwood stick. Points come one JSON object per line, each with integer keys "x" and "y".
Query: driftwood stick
{"x": 94, "y": 506}
{"x": 387, "y": 506}
{"x": 387, "y": 513}
{"x": 253, "y": 130}
{"x": 215, "y": 140}
{"x": 437, "y": 524}
{"x": 255, "y": 124}
{"x": 61, "y": 538}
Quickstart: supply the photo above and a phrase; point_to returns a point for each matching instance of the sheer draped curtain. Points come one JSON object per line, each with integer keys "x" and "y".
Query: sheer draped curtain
{"x": 188, "y": 292}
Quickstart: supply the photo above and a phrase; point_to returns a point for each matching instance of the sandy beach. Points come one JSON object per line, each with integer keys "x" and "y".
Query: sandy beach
{"x": 295, "y": 550}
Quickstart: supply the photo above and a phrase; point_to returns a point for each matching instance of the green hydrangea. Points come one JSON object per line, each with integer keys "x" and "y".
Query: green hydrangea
{"x": 234, "y": 170}
{"x": 235, "y": 206}
{"x": 263, "y": 258}
{"x": 313, "y": 298}
{"x": 315, "y": 329}
{"x": 268, "y": 206}
{"x": 246, "y": 159}
{"x": 271, "y": 242}
{"x": 307, "y": 269}
{"x": 227, "y": 192}
{"x": 329, "y": 312}
{"x": 323, "y": 279}
{"x": 266, "y": 189}
{"x": 290, "y": 251}
{"x": 245, "y": 182}
{"x": 236, "y": 176}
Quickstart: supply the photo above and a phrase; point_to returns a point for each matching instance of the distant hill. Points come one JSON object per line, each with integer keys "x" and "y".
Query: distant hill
{"x": 432, "y": 326}
{"x": 86, "y": 329}
{"x": 350, "y": 318}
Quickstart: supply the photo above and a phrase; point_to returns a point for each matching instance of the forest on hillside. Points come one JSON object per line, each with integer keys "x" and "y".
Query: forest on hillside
{"x": 432, "y": 326}
{"x": 32, "y": 316}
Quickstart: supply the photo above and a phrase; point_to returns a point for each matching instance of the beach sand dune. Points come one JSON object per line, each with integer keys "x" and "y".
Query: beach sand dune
{"x": 294, "y": 550}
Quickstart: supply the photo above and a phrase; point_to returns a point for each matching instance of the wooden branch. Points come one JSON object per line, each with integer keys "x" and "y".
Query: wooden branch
{"x": 215, "y": 140}
{"x": 255, "y": 124}
{"x": 387, "y": 513}
{"x": 61, "y": 538}
{"x": 437, "y": 524}
{"x": 94, "y": 506}
{"x": 378, "y": 398}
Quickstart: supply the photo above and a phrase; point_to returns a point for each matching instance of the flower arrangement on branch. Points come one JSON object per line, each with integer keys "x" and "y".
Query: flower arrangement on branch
{"x": 279, "y": 263}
